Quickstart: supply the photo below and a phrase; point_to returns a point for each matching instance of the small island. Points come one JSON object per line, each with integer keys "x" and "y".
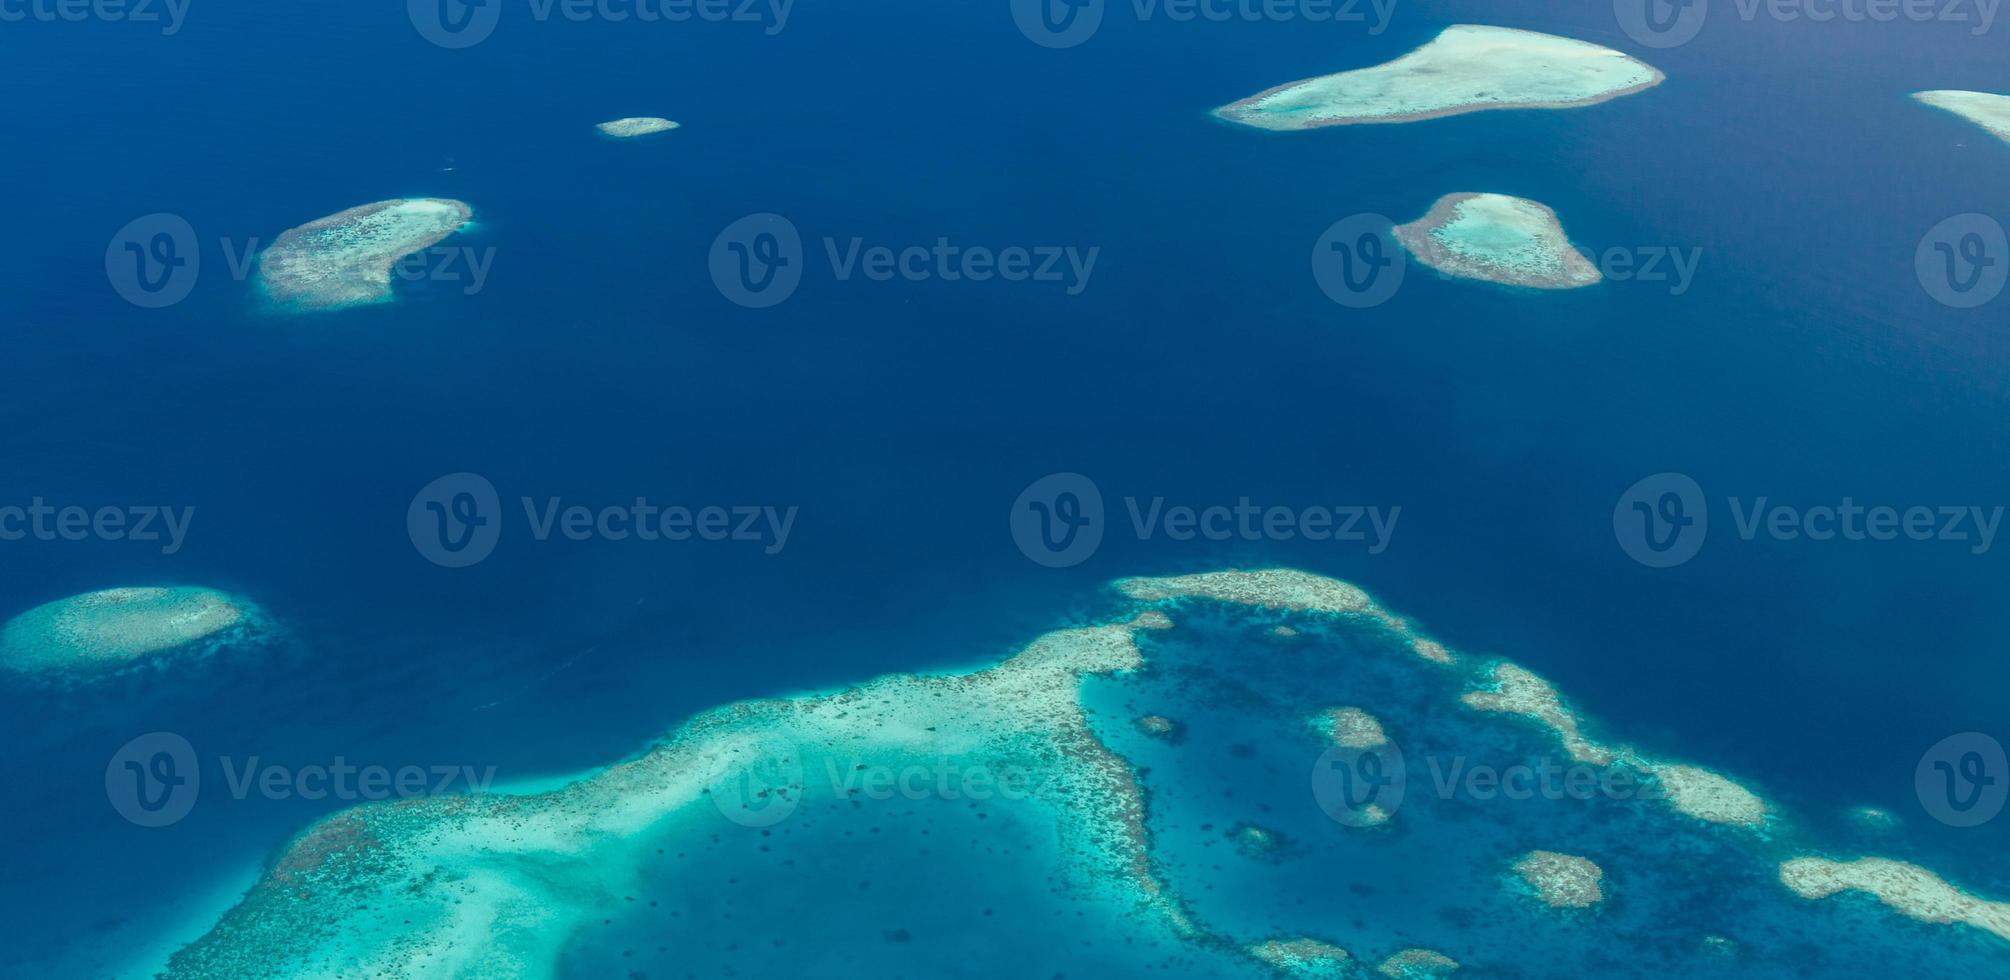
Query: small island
{"x": 633, "y": 126}
{"x": 1496, "y": 238}
{"x": 1991, "y": 112}
{"x": 1563, "y": 881}
{"x": 1467, "y": 68}
{"x": 346, "y": 259}
{"x": 101, "y": 632}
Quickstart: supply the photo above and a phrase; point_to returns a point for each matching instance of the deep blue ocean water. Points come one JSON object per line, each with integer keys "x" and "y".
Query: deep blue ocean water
{"x": 1202, "y": 365}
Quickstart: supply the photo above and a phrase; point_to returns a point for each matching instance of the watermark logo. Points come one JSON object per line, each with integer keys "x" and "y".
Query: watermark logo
{"x": 1360, "y": 787}
{"x": 1058, "y": 520}
{"x": 763, "y": 786}
{"x": 1058, "y": 24}
{"x": 1662, "y": 520}
{"x": 456, "y": 520}
{"x": 153, "y": 780}
{"x": 1963, "y": 779}
{"x": 1964, "y": 262}
{"x": 1661, "y": 23}
{"x": 154, "y": 260}
{"x": 1358, "y": 263}
{"x": 757, "y": 261}
{"x": 455, "y": 24}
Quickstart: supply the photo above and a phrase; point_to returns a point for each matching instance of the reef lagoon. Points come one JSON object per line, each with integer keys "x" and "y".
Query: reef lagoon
{"x": 1497, "y": 238}
{"x": 1216, "y": 855}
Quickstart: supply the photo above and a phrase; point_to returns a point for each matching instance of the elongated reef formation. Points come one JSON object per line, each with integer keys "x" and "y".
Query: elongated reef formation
{"x": 1467, "y": 68}
{"x": 346, "y": 259}
{"x": 113, "y": 628}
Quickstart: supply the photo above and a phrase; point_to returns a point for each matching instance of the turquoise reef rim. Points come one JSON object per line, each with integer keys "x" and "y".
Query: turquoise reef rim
{"x": 1498, "y": 238}
{"x": 418, "y": 886}
{"x": 1467, "y": 68}
{"x": 346, "y": 258}
{"x": 107, "y": 630}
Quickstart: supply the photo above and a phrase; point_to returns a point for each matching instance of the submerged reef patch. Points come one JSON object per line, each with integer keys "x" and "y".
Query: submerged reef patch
{"x": 1497, "y": 238}
{"x": 1709, "y": 796}
{"x": 1991, "y": 112}
{"x": 1303, "y": 957}
{"x": 346, "y": 259}
{"x": 1466, "y": 68}
{"x": 1563, "y": 881}
{"x": 103, "y": 631}
{"x": 1159, "y": 726}
{"x": 634, "y": 126}
{"x": 1418, "y": 964}
{"x": 1352, "y": 728}
{"x": 1517, "y": 691}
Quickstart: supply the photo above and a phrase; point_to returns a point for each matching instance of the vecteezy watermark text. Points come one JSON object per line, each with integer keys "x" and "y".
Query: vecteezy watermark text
{"x": 771, "y": 784}
{"x": 40, "y": 520}
{"x": 1359, "y": 263}
{"x": 1662, "y": 520}
{"x": 457, "y": 520}
{"x": 155, "y": 780}
{"x": 758, "y": 261}
{"x": 155, "y": 260}
{"x": 170, "y": 14}
{"x": 456, "y": 24}
{"x": 1067, "y": 23}
{"x": 1672, "y": 23}
{"x": 1058, "y": 521}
